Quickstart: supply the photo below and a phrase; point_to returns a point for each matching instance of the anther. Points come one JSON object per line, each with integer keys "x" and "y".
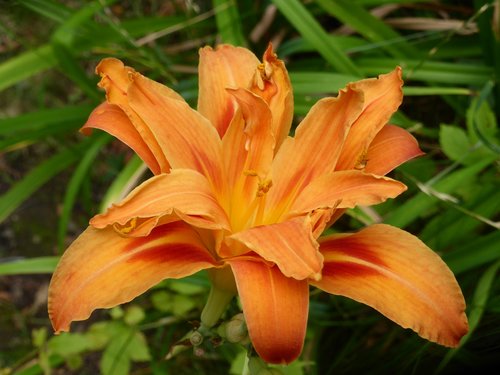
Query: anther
{"x": 264, "y": 186}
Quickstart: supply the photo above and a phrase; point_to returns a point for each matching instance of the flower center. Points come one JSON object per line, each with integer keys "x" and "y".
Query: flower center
{"x": 252, "y": 214}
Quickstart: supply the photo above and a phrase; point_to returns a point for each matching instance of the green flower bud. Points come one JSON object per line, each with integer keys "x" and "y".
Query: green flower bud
{"x": 196, "y": 338}
{"x": 236, "y": 329}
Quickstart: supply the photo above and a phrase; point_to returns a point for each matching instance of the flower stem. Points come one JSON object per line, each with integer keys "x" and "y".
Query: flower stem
{"x": 216, "y": 305}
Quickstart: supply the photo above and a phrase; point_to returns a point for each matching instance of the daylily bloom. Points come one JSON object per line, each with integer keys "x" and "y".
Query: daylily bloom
{"x": 234, "y": 194}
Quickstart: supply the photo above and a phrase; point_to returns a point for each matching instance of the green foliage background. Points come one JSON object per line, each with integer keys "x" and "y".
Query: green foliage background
{"x": 53, "y": 179}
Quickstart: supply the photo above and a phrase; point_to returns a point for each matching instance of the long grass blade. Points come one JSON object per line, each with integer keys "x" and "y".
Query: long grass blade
{"x": 37, "y": 177}
{"x": 75, "y": 183}
{"x": 372, "y": 28}
{"x": 311, "y": 30}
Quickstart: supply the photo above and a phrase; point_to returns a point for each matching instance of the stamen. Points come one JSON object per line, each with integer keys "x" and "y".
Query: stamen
{"x": 263, "y": 187}
{"x": 255, "y": 210}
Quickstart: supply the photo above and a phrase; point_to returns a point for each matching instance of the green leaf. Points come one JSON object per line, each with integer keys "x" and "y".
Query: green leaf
{"x": 25, "y": 129}
{"x": 48, "y": 8}
{"x": 436, "y": 90}
{"x": 126, "y": 344}
{"x": 417, "y": 205}
{"x": 68, "y": 344}
{"x": 478, "y": 252}
{"x": 453, "y": 228}
{"x": 372, "y": 28}
{"x": 138, "y": 348}
{"x": 134, "y": 314}
{"x": 429, "y": 71}
{"x": 70, "y": 67}
{"x": 32, "y": 181}
{"x": 481, "y": 121}
{"x": 125, "y": 181}
{"x": 72, "y": 115}
{"x": 185, "y": 288}
{"x": 29, "y": 266}
{"x": 477, "y": 307}
{"x": 228, "y": 22}
{"x": 162, "y": 301}
{"x": 312, "y": 31}
{"x": 26, "y": 65}
{"x": 454, "y": 142}
{"x": 115, "y": 359}
{"x": 346, "y": 44}
{"x": 307, "y": 83}
{"x": 74, "y": 185}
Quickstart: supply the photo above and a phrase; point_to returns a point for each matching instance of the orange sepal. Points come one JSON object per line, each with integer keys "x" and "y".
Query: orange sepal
{"x": 346, "y": 189}
{"x": 272, "y": 83}
{"x": 224, "y": 67}
{"x": 112, "y": 119}
{"x": 116, "y": 79}
{"x": 390, "y": 148}
{"x": 398, "y": 275}
{"x": 101, "y": 269}
{"x": 186, "y": 138}
{"x": 315, "y": 148}
{"x": 290, "y": 245}
{"x": 382, "y": 97}
{"x": 183, "y": 193}
{"x": 275, "y": 309}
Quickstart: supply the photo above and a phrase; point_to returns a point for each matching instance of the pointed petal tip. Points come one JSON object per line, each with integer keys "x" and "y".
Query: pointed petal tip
{"x": 425, "y": 295}
{"x": 275, "y": 308}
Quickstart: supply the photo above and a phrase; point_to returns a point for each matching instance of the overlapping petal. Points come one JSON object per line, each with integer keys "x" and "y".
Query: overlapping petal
{"x": 346, "y": 189}
{"x": 272, "y": 83}
{"x": 187, "y": 139}
{"x": 391, "y": 147}
{"x": 315, "y": 148}
{"x": 398, "y": 275}
{"x": 112, "y": 119}
{"x": 115, "y": 80}
{"x": 183, "y": 193}
{"x": 275, "y": 309}
{"x": 248, "y": 146}
{"x": 219, "y": 69}
{"x": 101, "y": 269}
{"x": 289, "y": 244}
{"x": 382, "y": 98}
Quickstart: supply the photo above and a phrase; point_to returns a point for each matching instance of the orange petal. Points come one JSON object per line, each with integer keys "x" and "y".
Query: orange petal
{"x": 289, "y": 244}
{"x": 187, "y": 138}
{"x": 382, "y": 98}
{"x": 346, "y": 189}
{"x": 315, "y": 148}
{"x": 182, "y": 192}
{"x": 248, "y": 146}
{"x": 101, "y": 269}
{"x": 398, "y": 275}
{"x": 391, "y": 147}
{"x": 113, "y": 120}
{"x": 227, "y": 66}
{"x": 272, "y": 83}
{"x": 116, "y": 79}
{"x": 275, "y": 309}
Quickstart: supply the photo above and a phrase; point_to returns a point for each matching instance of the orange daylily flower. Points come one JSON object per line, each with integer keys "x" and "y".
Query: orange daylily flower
{"x": 233, "y": 193}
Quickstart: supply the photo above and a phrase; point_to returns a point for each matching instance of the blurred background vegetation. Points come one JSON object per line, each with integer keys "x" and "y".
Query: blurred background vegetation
{"x": 53, "y": 179}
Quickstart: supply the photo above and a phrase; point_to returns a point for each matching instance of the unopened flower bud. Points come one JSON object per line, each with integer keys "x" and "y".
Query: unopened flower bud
{"x": 196, "y": 338}
{"x": 236, "y": 329}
